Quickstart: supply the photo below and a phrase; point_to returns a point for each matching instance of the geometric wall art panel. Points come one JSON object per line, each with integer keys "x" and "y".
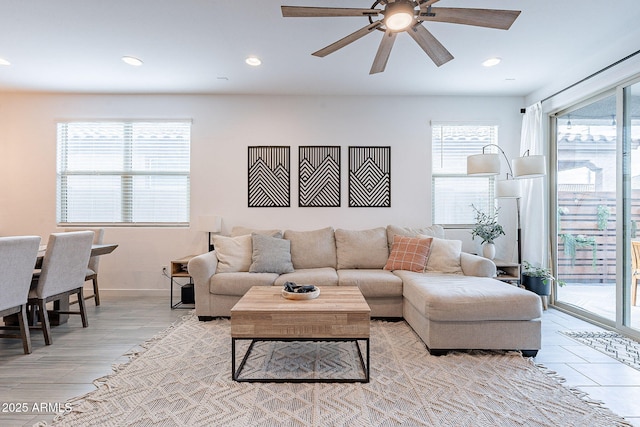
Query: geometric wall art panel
{"x": 269, "y": 177}
{"x": 370, "y": 177}
{"x": 319, "y": 176}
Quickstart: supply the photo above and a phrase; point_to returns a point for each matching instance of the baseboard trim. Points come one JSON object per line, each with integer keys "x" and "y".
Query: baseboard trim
{"x": 137, "y": 292}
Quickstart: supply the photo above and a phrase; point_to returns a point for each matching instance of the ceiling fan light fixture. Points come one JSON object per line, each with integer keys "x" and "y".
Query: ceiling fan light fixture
{"x": 398, "y": 15}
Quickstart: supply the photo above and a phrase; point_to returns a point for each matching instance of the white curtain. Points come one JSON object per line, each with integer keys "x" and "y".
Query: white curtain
{"x": 533, "y": 218}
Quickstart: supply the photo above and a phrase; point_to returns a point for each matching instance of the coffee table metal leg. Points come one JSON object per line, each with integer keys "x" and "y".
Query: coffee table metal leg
{"x": 235, "y": 373}
{"x": 233, "y": 359}
{"x": 365, "y": 368}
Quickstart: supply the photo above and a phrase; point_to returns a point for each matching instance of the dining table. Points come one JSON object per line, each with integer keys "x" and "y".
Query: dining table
{"x": 96, "y": 250}
{"x": 63, "y": 303}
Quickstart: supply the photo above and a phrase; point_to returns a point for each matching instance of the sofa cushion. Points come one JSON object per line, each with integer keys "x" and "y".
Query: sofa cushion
{"x": 234, "y": 253}
{"x": 408, "y": 253}
{"x": 241, "y": 231}
{"x": 457, "y": 298}
{"x": 311, "y": 276}
{"x": 312, "y": 249}
{"x": 372, "y": 283}
{"x": 444, "y": 256}
{"x": 431, "y": 231}
{"x": 270, "y": 255}
{"x": 361, "y": 248}
{"x": 239, "y": 283}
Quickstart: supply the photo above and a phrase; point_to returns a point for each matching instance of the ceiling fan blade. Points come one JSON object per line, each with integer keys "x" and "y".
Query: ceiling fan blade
{"x": 307, "y": 12}
{"x": 347, "y": 40}
{"x": 432, "y": 47}
{"x": 490, "y": 18}
{"x": 384, "y": 50}
{"x": 426, "y": 3}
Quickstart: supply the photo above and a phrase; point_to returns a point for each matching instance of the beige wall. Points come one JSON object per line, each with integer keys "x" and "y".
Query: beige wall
{"x": 223, "y": 127}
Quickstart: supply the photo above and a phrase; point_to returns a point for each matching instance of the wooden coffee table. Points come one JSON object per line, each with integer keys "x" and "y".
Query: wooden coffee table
{"x": 340, "y": 313}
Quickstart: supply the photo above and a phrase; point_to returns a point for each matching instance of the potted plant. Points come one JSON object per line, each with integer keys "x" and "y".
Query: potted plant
{"x": 538, "y": 279}
{"x": 487, "y": 229}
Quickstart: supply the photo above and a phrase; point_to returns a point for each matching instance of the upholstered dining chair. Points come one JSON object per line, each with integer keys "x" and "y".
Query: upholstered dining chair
{"x": 17, "y": 260}
{"x": 635, "y": 272}
{"x": 63, "y": 271}
{"x": 92, "y": 268}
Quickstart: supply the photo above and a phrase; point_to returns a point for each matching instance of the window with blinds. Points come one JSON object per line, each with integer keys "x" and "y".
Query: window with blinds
{"x": 123, "y": 173}
{"x": 453, "y": 192}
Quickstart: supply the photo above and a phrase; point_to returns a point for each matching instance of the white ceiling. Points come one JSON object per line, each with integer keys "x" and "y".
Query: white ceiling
{"x": 199, "y": 46}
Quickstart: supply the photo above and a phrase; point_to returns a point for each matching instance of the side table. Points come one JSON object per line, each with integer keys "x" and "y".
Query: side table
{"x": 510, "y": 271}
{"x": 179, "y": 271}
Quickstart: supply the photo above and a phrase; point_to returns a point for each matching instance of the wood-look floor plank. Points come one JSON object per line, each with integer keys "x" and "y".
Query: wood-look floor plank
{"x": 78, "y": 355}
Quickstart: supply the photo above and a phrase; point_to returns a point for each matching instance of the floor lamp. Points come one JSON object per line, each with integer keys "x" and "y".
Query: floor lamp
{"x": 527, "y": 166}
{"x": 510, "y": 189}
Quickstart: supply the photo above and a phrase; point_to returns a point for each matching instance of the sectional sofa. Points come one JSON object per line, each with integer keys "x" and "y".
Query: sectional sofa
{"x": 447, "y": 296}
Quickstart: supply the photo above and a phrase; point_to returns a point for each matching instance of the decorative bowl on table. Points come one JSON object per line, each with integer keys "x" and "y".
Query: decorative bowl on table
{"x": 300, "y": 292}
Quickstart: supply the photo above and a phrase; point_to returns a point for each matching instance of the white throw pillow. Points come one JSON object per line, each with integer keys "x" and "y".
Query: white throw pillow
{"x": 444, "y": 256}
{"x": 234, "y": 253}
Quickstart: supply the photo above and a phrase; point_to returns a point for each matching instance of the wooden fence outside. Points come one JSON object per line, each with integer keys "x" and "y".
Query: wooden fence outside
{"x": 595, "y": 251}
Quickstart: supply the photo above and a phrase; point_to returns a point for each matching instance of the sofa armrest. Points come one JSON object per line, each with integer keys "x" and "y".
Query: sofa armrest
{"x": 201, "y": 268}
{"x": 474, "y": 265}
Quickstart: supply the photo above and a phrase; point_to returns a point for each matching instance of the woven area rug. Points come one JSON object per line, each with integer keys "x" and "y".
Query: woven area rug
{"x": 612, "y": 344}
{"x": 183, "y": 378}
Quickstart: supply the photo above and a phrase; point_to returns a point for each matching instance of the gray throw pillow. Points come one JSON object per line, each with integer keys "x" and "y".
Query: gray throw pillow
{"x": 270, "y": 255}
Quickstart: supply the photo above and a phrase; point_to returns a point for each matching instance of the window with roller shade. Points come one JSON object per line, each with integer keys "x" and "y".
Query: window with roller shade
{"x": 453, "y": 191}
{"x": 123, "y": 173}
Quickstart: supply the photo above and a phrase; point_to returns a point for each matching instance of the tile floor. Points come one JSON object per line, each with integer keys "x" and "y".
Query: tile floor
{"x": 66, "y": 369}
{"x": 602, "y": 377}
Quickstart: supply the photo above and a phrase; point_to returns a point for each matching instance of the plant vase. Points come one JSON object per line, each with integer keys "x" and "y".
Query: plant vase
{"x": 489, "y": 250}
{"x": 536, "y": 284}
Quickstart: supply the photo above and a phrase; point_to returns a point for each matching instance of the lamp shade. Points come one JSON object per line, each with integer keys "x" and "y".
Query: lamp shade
{"x": 529, "y": 167}
{"x": 507, "y": 189}
{"x": 210, "y": 223}
{"x": 483, "y": 164}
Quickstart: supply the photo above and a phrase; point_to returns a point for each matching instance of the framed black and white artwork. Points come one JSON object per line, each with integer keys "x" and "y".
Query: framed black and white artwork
{"x": 269, "y": 177}
{"x": 369, "y": 177}
{"x": 319, "y": 176}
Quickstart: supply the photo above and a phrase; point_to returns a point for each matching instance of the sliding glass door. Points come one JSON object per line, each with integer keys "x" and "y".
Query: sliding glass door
{"x": 631, "y": 205}
{"x": 586, "y": 207}
{"x": 598, "y": 207}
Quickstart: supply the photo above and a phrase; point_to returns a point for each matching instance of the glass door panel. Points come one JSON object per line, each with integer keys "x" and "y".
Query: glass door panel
{"x": 586, "y": 197}
{"x": 632, "y": 201}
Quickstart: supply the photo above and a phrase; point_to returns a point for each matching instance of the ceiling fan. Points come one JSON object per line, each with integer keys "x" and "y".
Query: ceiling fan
{"x": 407, "y": 16}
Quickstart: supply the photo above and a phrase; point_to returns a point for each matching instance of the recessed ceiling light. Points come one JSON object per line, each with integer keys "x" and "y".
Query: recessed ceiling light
{"x": 131, "y": 60}
{"x": 4, "y": 62}
{"x": 491, "y": 62}
{"x": 253, "y": 61}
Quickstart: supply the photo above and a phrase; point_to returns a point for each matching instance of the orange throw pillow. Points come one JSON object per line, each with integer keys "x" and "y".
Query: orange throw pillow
{"x": 408, "y": 253}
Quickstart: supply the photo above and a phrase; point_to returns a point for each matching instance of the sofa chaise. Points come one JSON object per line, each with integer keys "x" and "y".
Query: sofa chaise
{"x": 447, "y": 296}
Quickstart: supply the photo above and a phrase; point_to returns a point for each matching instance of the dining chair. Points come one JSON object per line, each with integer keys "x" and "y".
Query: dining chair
{"x": 63, "y": 271}
{"x": 635, "y": 272}
{"x": 92, "y": 268}
{"x": 17, "y": 259}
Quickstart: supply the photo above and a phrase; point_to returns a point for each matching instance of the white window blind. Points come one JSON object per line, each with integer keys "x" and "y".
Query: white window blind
{"x": 123, "y": 173}
{"x": 453, "y": 191}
